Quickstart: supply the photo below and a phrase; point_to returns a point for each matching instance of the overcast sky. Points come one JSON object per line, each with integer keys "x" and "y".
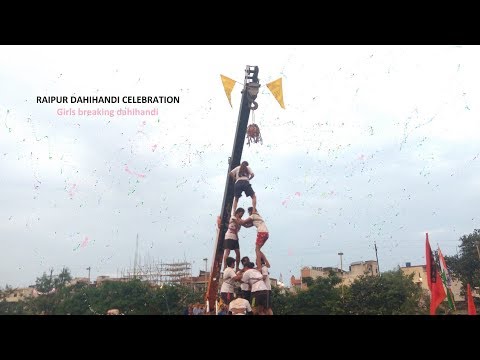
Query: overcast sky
{"x": 377, "y": 143}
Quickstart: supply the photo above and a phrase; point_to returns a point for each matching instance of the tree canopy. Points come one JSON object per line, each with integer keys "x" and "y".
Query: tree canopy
{"x": 465, "y": 266}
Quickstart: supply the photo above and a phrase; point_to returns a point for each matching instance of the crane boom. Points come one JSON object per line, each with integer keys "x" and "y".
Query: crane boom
{"x": 249, "y": 94}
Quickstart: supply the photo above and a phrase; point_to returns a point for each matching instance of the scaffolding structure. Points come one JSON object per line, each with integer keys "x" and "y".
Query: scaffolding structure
{"x": 160, "y": 273}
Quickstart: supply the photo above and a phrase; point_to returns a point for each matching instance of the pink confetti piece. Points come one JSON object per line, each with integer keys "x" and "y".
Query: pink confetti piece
{"x": 134, "y": 173}
{"x": 72, "y": 190}
{"x": 85, "y": 242}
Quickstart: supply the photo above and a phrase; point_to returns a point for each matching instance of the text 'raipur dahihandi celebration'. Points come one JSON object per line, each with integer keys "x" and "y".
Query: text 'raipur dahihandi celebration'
{"x": 108, "y": 99}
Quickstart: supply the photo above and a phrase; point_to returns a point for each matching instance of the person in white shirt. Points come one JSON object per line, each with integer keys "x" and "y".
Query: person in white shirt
{"x": 259, "y": 290}
{"x": 256, "y": 220}
{"x": 231, "y": 238}
{"x": 245, "y": 287}
{"x": 246, "y": 293}
{"x": 239, "y": 306}
{"x": 242, "y": 175}
{"x": 266, "y": 279}
{"x": 227, "y": 290}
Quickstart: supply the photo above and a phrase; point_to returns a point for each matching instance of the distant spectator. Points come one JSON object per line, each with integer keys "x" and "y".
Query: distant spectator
{"x": 188, "y": 310}
{"x": 223, "y": 310}
{"x": 196, "y": 310}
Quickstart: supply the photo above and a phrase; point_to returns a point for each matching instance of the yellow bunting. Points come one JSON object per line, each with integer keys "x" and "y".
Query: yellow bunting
{"x": 228, "y": 85}
{"x": 276, "y": 88}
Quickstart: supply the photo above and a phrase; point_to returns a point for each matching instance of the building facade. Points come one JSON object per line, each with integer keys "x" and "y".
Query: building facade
{"x": 356, "y": 269}
{"x": 420, "y": 278}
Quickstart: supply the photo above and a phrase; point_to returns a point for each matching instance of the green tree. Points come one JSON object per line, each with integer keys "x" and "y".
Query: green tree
{"x": 184, "y": 296}
{"x": 465, "y": 266}
{"x": 63, "y": 278}
{"x": 75, "y": 300}
{"x": 281, "y": 301}
{"x": 307, "y": 280}
{"x": 5, "y": 292}
{"x": 323, "y": 297}
{"x": 45, "y": 283}
{"x": 131, "y": 298}
{"x": 12, "y": 308}
{"x": 393, "y": 293}
{"x": 53, "y": 292}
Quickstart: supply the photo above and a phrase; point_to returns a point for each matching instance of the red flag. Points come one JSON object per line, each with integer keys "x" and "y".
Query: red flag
{"x": 471, "y": 304}
{"x": 437, "y": 292}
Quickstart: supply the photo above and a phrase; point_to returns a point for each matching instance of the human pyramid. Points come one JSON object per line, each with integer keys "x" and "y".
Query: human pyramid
{"x": 255, "y": 289}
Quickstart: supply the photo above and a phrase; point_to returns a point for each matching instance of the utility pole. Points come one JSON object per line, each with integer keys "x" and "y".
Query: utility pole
{"x": 135, "y": 260}
{"x": 249, "y": 94}
{"x": 206, "y": 281}
{"x": 376, "y": 255}
{"x": 51, "y": 278}
{"x": 88, "y": 268}
{"x": 341, "y": 269}
{"x": 478, "y": 250}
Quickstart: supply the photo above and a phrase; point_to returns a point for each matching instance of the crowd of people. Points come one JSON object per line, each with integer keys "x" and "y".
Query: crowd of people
{"x": 195, "y": 309}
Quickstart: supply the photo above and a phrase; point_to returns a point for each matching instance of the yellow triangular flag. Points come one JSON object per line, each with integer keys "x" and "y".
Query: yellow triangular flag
{"x": 228, "y": 85}
{"x": 276, "y": 88}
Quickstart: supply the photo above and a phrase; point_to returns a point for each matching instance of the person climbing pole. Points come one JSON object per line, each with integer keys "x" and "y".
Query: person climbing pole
{"x": 231, "y": 238}
{"x": 242, "y": 175}
{"x": 256, "y": 220}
